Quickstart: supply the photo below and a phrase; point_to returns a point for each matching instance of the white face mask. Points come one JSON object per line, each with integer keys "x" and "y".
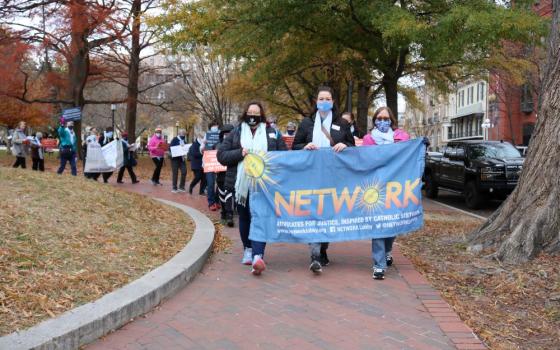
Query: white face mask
{"x": 214, "y": 129}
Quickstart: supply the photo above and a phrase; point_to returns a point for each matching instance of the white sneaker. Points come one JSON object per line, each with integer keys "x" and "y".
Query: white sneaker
{"x": 174, "y": 191}
{"x": 247, "y": 256}
{"x": 258, "y": 265}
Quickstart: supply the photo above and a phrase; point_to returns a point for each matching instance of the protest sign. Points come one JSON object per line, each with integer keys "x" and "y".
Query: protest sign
{"x": 212, "y": 138}
{"x": 180, "y": 151}
{"x": 324, "y": 196}
{"x": 104, "y": 159}
{"x": 210, "y": 162}
{"x": 72, "y": 114}
{"x": 49, "y": 143}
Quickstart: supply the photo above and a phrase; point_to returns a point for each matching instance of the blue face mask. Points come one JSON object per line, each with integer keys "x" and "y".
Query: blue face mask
{"x": 109, "y": 134}
{"x": 383, "y": 125}
{"x": 324, "y": 106}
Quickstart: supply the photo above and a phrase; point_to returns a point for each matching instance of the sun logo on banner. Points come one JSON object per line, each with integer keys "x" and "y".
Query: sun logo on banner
{"x": 371, "y": 197}
{"x": 258, "y": 168}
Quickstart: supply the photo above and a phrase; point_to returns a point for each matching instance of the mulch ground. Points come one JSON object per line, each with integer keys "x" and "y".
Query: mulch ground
{"x": 66, "y": 241}
{"x": 509, "y": 307}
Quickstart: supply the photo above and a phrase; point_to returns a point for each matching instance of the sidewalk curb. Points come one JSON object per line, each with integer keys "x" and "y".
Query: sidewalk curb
{"x": 91, "y": 321}
{"x": 457, "y": 209}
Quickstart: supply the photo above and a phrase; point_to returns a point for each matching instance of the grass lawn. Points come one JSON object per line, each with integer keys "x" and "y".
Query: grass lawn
{"x": 509, "y": 307}
{"x": 66, "y": 241}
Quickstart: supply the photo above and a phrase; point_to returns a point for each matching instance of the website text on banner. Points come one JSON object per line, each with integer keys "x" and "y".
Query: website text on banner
{"x": 210, "y": 162}
{"x": 323, "y": 196}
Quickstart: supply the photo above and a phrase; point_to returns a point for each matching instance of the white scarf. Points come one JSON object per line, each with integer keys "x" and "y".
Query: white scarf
{"x": 319, "y": 138}
{"x": 257, "y": 142}
{"x": 383, "y": 138}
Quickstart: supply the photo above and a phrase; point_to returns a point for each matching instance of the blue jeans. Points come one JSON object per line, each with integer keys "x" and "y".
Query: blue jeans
{"x": 244, "y": 227}
{"x": 380, "y": 247}
{"x": 64, "y": 158}
{"x": 211, "y": 188}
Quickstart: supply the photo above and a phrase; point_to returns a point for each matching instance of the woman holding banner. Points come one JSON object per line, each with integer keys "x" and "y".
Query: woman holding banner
{"x": 324, "y": 128}
{"x": 384, "y": 132}
{"x": 251, "y": 135}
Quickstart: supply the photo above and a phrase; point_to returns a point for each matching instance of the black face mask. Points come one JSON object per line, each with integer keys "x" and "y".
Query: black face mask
{"x": 70, "y": 128}
{"x": 252, "y": 120}
{"x": 291, "y": 132}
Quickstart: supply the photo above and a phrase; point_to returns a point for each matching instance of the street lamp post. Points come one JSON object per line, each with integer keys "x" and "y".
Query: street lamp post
{"x": 485, "y": 126}
{"x": 113, "y": 108}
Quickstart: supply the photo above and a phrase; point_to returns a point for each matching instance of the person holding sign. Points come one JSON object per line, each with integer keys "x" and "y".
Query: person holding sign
{"x": 384, "y": 132}
{"x": 129, "y": 162}
{"x": 38, "y": 152}
{"x": 67, "y": 146}
{"x": 211, "y": 140}
{"x": 105, "y": 139}
{"x": 252, "y": 135}
{"x": 157, "y": 148}
{"x": 324, "y": 128}
{"x": 178, "y": 163}
{"x": 195, "y": 156}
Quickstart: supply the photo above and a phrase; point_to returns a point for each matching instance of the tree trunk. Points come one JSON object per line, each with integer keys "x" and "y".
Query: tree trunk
{"x": 390, "y": 85}
{"x": 528, "y": 222}
{"x": 79, "y": 62}
{"x": 363, "y": 106}
{"x": 133, "y": 72}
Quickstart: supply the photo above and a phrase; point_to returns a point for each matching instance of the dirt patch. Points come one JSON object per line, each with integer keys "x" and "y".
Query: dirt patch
{"x": 66, "y": 241}
{"x": 509, "y": 307}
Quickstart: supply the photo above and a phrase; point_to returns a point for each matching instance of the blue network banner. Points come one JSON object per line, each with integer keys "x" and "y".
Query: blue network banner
{"x": 323, "y": 196}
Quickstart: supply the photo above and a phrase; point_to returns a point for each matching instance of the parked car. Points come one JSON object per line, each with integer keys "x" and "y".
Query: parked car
{"x": 477, "y": 169}
{"x": 522, "y": 150}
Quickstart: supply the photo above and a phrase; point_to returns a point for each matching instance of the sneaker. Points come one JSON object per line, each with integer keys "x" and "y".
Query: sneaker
{"x": 159, "y": 183}
{"x": 218, "y": 206}
{"x": 135, "y": 181}
{"x": 378, "y": 274}
{"x": 247, "y": 256}
{"x": 213, "y": 207}
{"x": 229, "y": 222}
{"x": 190, "y": 190}
{"x": 182, "y": 190}
{"x": 120, "y": 182}
{"x": 258, "y": 265}
{"x": 315, "y": 267}
{"x": 174, "y": 191}
{"x": 324, "y": 259}
{"x": 389, "y": 259}
{"x": 154, "y": 183}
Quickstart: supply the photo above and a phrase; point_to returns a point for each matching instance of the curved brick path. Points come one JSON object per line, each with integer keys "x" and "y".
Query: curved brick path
{"x": 225, "y": 307}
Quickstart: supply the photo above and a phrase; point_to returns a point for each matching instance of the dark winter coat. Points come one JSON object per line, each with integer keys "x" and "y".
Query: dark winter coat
{"x": 176, "y": 142}
{"x": 230, "y": 152}
{"x": 128, "y": 156}
{"x": 195, "y": 156}
{"x": 304, "y": 134}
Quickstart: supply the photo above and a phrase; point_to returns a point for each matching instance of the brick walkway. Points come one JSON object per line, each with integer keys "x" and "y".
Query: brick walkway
{"x": 287, "y": 307}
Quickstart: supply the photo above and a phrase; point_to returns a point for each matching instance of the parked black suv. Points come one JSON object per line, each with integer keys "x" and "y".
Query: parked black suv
{"x": 478, "y": 169}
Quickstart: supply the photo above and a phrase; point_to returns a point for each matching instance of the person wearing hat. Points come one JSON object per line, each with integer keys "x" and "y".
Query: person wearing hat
{"x": 128, "y": 160}
{"x": 156, "y": 147}
{"x": 178, "y": 163}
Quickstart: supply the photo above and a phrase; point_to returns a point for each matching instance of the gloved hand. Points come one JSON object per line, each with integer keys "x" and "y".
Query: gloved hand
{"x": 62, "y": 120}
{"x": 426, "y": 141}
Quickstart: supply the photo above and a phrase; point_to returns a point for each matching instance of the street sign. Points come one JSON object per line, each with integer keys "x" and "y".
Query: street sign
{"x": 72, "y": 114}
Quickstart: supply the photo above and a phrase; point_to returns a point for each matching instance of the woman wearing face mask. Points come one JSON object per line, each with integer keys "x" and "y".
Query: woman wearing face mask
{"x": 178, "y": 163}
{"x": 349, "y": 117}
{"x": 156, "y": 147}
{"x": 385, "y": 132}
{"x": 324, "y": 128}
{"x": 38, "y": 152}
{"x": 251, "y": 135}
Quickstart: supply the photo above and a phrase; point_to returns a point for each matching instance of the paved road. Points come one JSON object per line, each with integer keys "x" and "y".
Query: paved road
{"x": 456, "y": 200}
{"x": 225, "y": 307}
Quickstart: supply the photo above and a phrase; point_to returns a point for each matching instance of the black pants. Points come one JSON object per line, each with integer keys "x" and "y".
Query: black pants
{"x": 198, "y": 177}
{"x": 93, "y": 176}
{"x": 106, "y": 176}
{"x": 176, "y": 165}
{"x": 226, "y": 200}
{"x": 38, "y": 164}
{"x": 20, "y": 161}
{"x": 130, "y": 173}
{"x": 157, "y": 171}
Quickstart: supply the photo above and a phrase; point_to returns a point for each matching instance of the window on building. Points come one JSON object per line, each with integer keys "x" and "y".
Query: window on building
{"x": 526, "y": 99}
{"x": 480, "y": 91}
{"x": 449, "y": 132}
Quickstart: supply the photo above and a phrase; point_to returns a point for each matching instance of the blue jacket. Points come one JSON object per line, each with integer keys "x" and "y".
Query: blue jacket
{"x": 66, "y": 139}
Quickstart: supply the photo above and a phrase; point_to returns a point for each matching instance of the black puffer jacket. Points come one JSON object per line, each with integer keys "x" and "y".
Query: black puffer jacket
{"x": 340, "y": 132}
{"x": 230, "y": 152}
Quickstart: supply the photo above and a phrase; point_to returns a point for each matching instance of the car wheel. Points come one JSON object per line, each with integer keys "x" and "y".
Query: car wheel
{"x": 473, "y": 197}
{"x": 430, "y": 186}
